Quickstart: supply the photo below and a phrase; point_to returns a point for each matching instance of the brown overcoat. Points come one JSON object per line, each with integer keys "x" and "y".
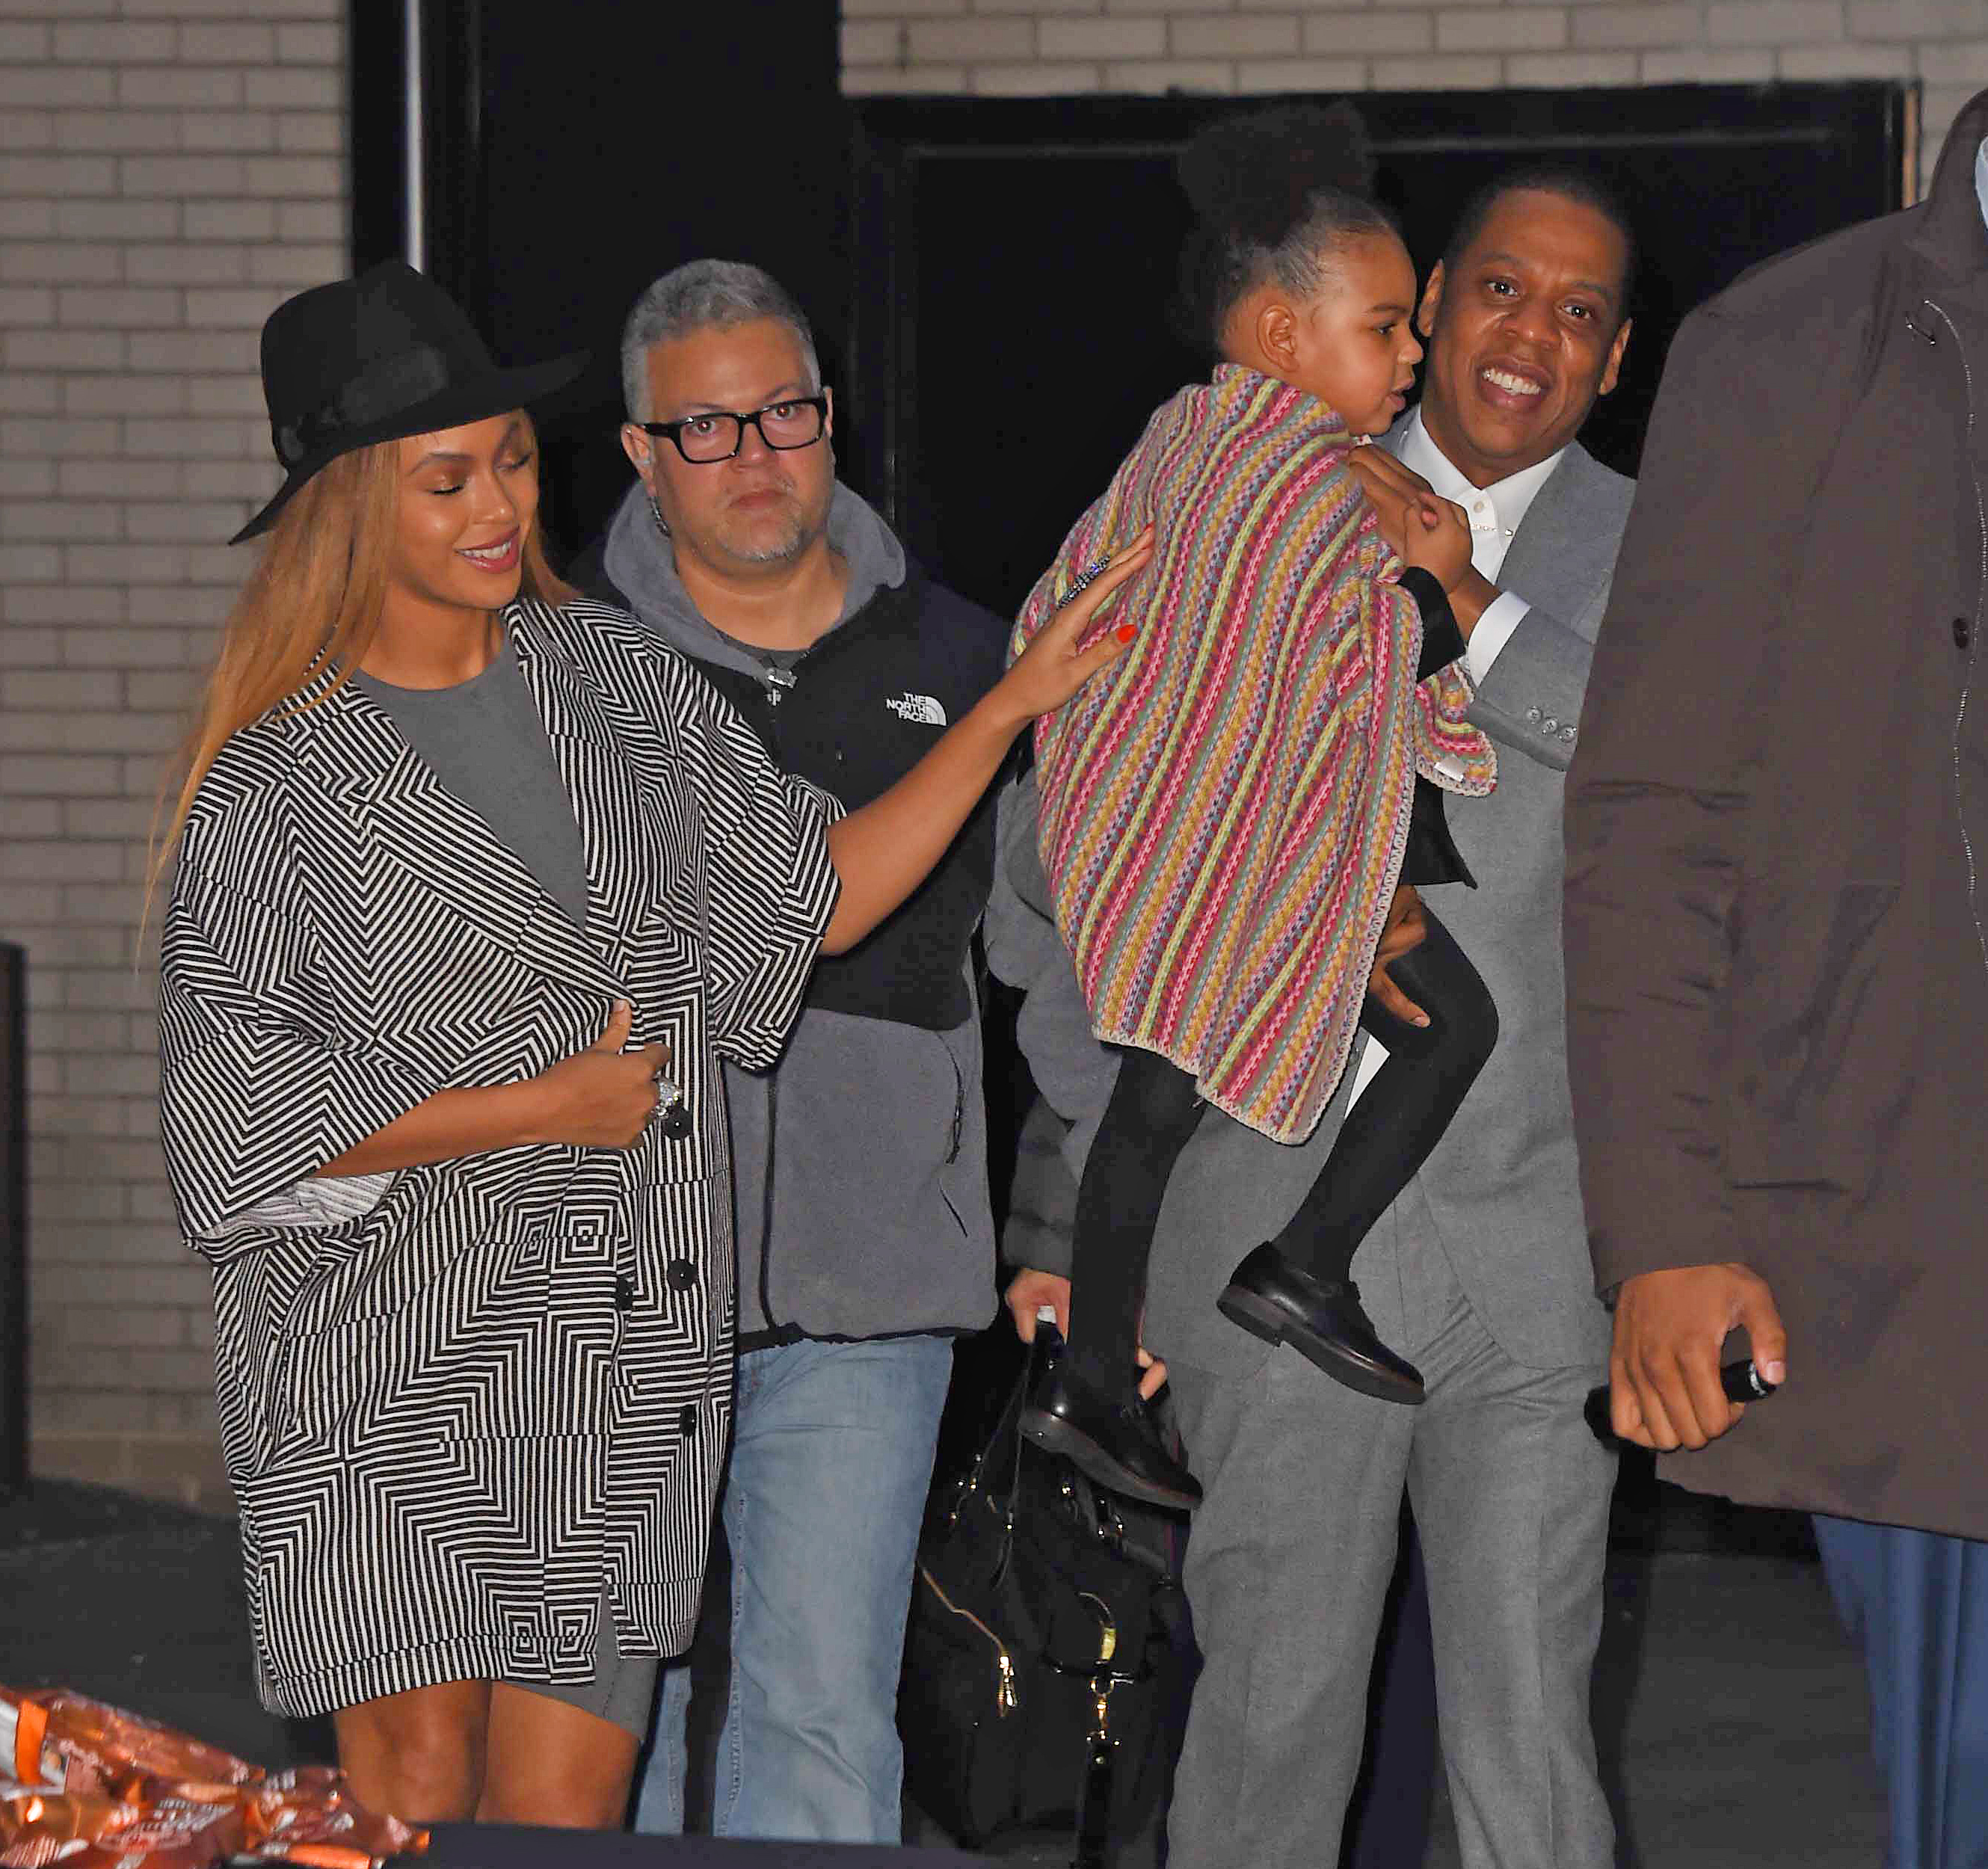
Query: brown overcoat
{"x": 1776, "y": 822}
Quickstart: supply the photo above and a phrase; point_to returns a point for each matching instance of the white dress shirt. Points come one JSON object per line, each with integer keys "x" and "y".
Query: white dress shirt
{"x": 1495, "y": 512}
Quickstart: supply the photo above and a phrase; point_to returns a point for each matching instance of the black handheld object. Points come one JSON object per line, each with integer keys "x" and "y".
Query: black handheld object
{"x": 1741, "y": 1381}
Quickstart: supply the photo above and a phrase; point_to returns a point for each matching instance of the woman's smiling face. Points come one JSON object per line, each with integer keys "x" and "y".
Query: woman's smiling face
{"x": 469, "y": 497}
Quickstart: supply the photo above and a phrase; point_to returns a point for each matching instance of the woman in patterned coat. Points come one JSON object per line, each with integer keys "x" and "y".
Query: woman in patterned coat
{"x": 475, "y": 886}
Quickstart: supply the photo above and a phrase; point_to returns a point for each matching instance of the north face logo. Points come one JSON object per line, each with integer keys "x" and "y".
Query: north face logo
{"x": 922, "y": 708}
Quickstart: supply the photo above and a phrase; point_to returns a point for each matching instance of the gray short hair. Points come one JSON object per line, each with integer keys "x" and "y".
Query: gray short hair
{"x": 697, "y": 296}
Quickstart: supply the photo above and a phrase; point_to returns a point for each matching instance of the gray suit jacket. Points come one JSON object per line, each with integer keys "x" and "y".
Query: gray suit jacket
{"x": 1501, "y": 1189}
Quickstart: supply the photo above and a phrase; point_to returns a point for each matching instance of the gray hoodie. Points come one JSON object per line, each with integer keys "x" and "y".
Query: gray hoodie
{"x": 863, "y": 1153}
{"x": 642, "y": 566}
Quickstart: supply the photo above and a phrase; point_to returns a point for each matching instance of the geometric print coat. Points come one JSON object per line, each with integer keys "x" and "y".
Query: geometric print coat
{"x": 459, "y": 1421}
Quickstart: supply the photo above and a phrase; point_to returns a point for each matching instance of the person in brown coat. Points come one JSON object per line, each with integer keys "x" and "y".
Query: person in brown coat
{"x": 1776, "y": 934}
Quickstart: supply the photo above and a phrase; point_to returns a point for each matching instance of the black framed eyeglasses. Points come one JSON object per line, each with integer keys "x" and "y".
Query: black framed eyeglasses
{"x": 797, "y": 421}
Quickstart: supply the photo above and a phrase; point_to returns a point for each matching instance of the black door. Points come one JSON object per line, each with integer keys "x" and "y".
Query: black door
{"x": 570, "y": 154}
{"x": 1017, "y": 260}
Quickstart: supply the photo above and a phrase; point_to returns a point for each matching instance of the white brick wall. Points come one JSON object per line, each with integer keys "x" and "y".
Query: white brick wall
{"x": 169, "y": 170}
{"x": 1048, "y": 48}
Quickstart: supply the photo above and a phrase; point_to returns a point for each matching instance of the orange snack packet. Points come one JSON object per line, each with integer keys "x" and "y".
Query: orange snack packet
{"x": 39, "y": 1826}
{"x": 310, "y": 1809}
{"x": 102, "y": 1789}
{"x": 99, "y": 1745}
{"x": 169, "y": 1834}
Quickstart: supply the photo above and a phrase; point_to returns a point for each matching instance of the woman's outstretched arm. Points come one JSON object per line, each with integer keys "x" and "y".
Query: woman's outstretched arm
{"x": 883, "y": 852}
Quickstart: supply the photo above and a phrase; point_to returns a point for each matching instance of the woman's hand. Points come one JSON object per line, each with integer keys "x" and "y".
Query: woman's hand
{"x": 1053, "y": 668}
{"x": 600, "y": 1097}
{"x": 1438, "y": 539}
{"x": 883, "y": 850}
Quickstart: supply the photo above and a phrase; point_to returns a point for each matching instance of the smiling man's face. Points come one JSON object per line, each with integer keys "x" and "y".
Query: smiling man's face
{"x": 1525, "y": 327}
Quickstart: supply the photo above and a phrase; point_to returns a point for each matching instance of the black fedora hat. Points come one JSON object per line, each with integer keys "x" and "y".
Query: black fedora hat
{"x": 373, "y": 359}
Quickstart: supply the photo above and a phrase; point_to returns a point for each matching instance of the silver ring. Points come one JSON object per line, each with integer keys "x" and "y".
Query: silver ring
{"x": 1084, "y": 579}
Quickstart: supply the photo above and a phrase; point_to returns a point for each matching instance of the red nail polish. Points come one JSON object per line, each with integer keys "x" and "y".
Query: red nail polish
{"x": 1125, "y": 632}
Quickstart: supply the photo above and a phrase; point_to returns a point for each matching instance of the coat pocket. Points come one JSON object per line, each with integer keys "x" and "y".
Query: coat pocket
{"x": 1815, "y": 1025}
{"x": 437, "y": 1339}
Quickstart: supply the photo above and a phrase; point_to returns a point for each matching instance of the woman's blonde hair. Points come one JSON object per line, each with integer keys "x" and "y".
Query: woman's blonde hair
{"x": 312, "y": 606}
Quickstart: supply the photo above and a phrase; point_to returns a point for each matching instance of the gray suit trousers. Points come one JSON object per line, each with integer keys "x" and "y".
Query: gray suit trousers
{"x": 1289, "y": 1559}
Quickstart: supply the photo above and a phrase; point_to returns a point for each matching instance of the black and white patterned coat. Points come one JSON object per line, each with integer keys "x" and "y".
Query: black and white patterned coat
{"x": 458, "y": 1419}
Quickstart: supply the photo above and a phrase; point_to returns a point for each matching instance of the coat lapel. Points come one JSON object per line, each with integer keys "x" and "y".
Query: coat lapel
{"x": 1559, "y": 557}
{"x": 437, "y": 847}
{"x": 615, "y": 801}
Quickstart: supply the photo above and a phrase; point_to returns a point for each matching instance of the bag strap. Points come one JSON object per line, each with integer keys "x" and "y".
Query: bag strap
{"x": 1007, "y": 1423}
{"x": 1004, "y": 1436}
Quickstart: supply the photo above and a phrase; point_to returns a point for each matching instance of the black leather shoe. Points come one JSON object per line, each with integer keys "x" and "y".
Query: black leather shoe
{"x": 1275, "y": 1298}
{"x": 1112, "y": 1442}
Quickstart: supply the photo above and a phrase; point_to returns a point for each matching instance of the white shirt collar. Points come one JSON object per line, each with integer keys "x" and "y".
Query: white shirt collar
{"x": 1981, "y": 177}
{"x": 1510, "y": 498}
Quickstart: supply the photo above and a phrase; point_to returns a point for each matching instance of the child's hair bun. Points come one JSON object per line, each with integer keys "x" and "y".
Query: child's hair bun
{"x": 1275, "y": 192}
{"x": 1252, "y": 177}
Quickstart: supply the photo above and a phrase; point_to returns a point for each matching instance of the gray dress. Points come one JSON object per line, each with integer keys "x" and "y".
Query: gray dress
{"x": 487, "y": 742}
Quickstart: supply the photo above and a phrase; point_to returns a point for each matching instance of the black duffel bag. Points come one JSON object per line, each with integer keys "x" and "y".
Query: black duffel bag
{"x": 1045, "y": 1664}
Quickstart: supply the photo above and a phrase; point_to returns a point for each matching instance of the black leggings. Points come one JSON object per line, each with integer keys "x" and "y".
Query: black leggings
{"x": 1386, "y": 1137}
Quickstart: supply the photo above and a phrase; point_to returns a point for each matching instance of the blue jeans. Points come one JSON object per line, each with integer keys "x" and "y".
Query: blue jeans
{"x": 1917, "y": 1604}
{"x": 831, "y": 1460}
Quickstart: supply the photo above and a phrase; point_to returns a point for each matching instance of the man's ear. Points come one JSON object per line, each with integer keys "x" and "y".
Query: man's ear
{"x": 1431, "y": 298}
{"x": 1614, "y": 369}
{"x": 1277, "y": 334}
{"x": 641, "y": 451}
{"x": 828, "y": 414}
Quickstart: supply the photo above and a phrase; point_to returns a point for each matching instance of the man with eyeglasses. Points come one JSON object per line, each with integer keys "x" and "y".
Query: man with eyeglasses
{"x": 864, "y": 1238}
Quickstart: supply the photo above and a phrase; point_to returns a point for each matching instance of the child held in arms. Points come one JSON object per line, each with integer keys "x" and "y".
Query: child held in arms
{"x": 1227, "y": 815}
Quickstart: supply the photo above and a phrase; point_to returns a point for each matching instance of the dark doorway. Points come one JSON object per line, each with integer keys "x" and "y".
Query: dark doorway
{"x": 568, "y": 155}
{"x": 1017, "y": 259}
{"x": 989, "y": 277}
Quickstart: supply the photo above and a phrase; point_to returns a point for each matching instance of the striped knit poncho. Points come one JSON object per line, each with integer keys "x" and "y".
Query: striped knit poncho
{"x": 1224, "y": 811}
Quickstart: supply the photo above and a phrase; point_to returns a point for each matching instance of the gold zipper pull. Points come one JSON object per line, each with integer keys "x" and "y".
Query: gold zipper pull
{"x": 1006, "y": 1698}
{"x": 1107, "y": 1630}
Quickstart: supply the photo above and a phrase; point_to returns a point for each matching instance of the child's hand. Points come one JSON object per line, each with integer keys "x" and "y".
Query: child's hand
{"x": 1438, "y": 539}
{"x": 1407, "y": 928}
{"x": 1393, "y": 490}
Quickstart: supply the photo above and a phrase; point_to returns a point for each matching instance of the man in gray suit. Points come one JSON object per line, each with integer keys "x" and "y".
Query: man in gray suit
{"x": 1479, "y": 1273}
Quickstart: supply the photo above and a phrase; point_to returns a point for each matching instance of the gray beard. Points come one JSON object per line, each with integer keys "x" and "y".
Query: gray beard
{"x": 791, "y": 543}
{"x": 795, "y": 536}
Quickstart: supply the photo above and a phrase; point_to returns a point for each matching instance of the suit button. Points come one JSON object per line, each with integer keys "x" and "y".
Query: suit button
{"x": 687, "y": 1420}
{"x": 624, "y": 1292}
{"x": 1550, "y": 725}
{"x": 1963, "y": 635}
{"x": 1567, "y": 734}
{"x": 1532, "y": 715}
{"x": 681, "y": 1274}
